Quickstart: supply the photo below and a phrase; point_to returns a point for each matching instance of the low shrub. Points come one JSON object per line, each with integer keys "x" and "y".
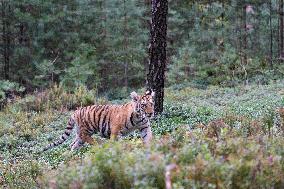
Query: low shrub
{"x": 60, "y": 99}
{"x": 201, "y": 162}
{"x": 8, "y": 91}
{"x": 23, "y": 174}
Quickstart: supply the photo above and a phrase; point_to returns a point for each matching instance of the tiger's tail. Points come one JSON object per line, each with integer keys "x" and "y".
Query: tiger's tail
{"x": 63, "y": 137}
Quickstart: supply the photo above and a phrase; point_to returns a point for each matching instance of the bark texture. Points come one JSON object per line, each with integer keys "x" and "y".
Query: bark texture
{"x": 281, "y": 20}
{"x": 157, "y": 52}
{"x": 245, "y": 41}
{"x": 6, "y": 38}
{"x": 271, "y": 34}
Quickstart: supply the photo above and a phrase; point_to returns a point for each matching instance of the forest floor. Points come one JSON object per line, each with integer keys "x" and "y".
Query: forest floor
{"x": 206, "y": 138}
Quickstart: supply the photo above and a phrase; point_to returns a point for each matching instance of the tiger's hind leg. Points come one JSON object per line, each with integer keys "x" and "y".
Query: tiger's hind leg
{"x": 76, "y": 144}
{"x": 88, "y": 139}
{"x": 86, "y": 134}
{"x": 74, "y": 141}
{"x": 80, "y": 140}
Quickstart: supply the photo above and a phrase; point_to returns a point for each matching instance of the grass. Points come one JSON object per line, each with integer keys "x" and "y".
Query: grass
{"x": 214, "y": 137}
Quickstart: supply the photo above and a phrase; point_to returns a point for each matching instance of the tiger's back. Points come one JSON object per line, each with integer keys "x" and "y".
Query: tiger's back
{"x": 101, "y": 119}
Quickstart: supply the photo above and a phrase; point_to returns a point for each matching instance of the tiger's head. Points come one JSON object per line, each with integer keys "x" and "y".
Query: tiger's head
{"x": 144, "y": 104}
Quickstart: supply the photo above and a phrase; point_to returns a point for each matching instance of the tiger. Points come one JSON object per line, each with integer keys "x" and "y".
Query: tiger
{"x": 110, "y": 121}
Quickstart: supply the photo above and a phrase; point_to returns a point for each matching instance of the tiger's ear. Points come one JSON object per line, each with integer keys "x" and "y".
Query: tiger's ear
{"x": 150, "y": 92}
{"x": 134, "y": 96}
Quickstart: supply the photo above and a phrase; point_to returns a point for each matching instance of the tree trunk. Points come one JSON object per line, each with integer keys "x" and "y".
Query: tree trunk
{"x": 245, "y": 43}
{"x": 125, "y": 42}
{"x": 271, "y": 34}
{"x": 3, "y": 39}
{"x": 278, "y": 35}
{"x": 6, "y": 38}
{"x": 21, "y": 33}
{"x": 281, "y": 20}
{"x": 157, "y": 52}
{"x": 222, "y": 41}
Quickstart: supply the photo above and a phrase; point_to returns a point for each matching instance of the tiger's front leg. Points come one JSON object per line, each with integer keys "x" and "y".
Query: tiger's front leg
{"x": 115, "y": 131}
{"x": 146, "y": 135}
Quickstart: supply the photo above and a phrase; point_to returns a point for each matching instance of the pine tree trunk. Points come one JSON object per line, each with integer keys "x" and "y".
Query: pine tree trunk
{"x": 157, "y": 52}
{"x": 278, "y": 35}
{"x": 222, "y": 42}
{"x": 281, "y": 20}
{"x": 21, "y": 34}
{"x": 2, "y": 40}
{"x": 271, "y": 34}
{"x": 245, "y": 43}
{"x": 6, "y": 39}
{"x": 125, "y": 42}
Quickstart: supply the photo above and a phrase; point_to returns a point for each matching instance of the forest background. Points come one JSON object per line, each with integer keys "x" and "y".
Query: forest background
{"x": 104, "y": 44}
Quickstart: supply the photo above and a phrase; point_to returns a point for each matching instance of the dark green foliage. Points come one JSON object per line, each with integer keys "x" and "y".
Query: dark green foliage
{"x": 103, "y": 44}
{"x": 96, "y": 43}
{"x": 206, "y": 41}
{"x": 9, "y": 92}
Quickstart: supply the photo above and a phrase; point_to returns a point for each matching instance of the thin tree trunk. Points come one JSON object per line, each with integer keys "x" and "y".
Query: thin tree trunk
{"x": 271, "y": 34}
{"x": 6, "y": 40}
{"x": 281, "y": 20}
{"x": 102, "y": 47}
{"x": 222, "y": 42}
{"x": 256, "y": 35}
{"x": 278, "y": 34}
{"x": 125, "y": 47}
{"x": 21, "y": 33}
{"x": 245, "y": 43}
{"x": 3, "y": 37}
{"x": 239, "y": 43}
{"x": 157, "y": 52}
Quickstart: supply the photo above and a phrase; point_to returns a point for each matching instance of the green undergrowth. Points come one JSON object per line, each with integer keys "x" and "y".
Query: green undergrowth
{"x": 191, "y": 106}
{"x": 200, "y": 162}
{"x": 214, "y": 138}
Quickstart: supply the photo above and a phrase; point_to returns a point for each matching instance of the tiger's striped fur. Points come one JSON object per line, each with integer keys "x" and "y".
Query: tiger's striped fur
{"x": 110, "y": 121}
